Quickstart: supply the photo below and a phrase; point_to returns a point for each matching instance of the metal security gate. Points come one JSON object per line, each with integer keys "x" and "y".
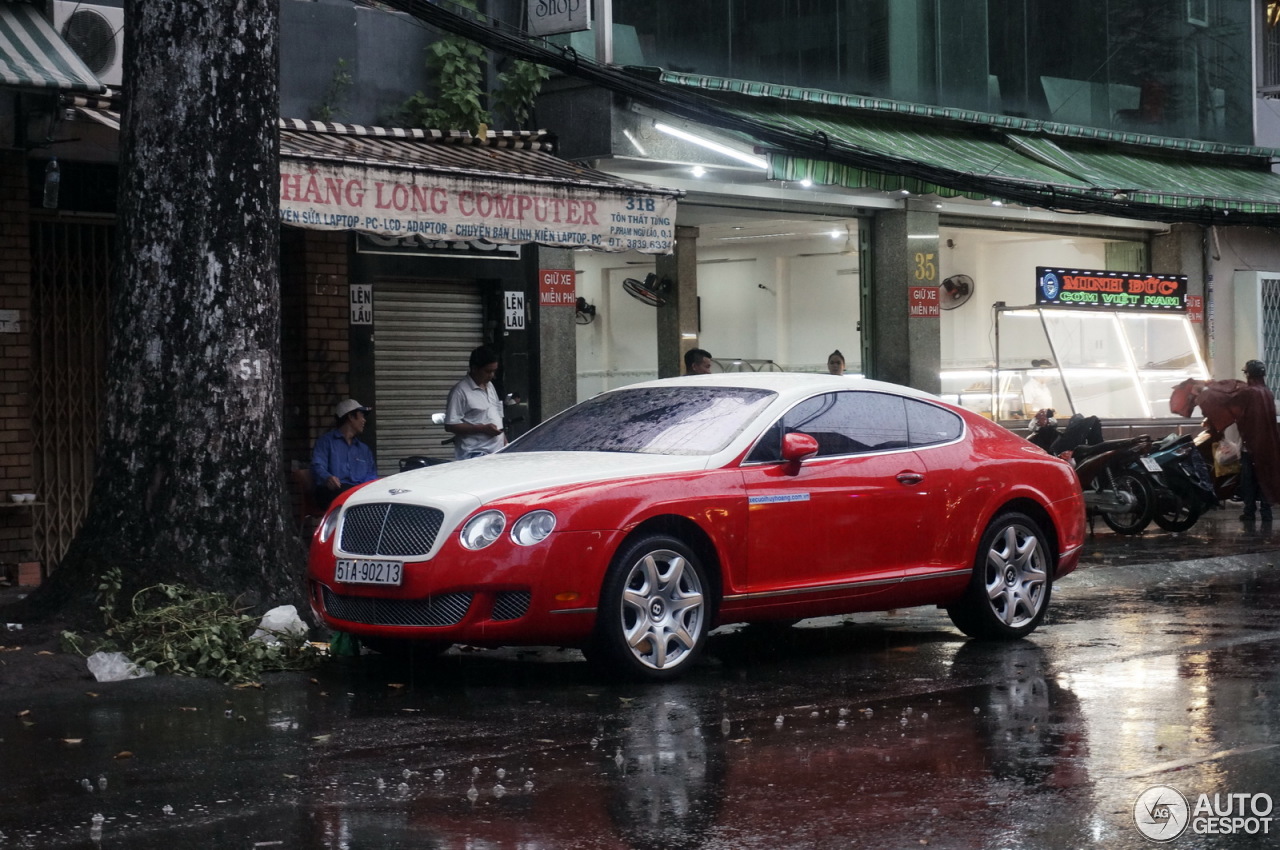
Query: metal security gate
{"x": 70, "y": 279}
{"x": 424, "y": 332}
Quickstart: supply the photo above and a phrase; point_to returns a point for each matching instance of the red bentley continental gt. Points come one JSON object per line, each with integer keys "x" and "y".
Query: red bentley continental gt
{"x": 632, "y": 524}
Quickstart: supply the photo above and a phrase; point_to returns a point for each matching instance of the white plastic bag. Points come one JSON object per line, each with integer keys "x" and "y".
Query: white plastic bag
{"x": 283, "y": 620}
{"x": 114, "y": 667}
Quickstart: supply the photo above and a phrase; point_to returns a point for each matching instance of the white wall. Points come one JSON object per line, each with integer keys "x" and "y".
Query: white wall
{"x": 784, "y": 301}
{"x": 1003, "y": 267}
{"x": 788, "y": 301}
{"x": 1237, "y": 249}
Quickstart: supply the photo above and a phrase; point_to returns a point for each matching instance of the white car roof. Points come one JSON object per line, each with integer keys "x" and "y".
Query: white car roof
{"x": 786, "y": 384}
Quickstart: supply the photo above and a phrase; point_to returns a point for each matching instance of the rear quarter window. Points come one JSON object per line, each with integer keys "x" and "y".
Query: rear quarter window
{"x": 928, "y": 424}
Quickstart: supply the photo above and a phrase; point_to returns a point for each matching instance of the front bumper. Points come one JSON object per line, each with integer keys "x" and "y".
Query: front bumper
{"x": 502, "y": 595}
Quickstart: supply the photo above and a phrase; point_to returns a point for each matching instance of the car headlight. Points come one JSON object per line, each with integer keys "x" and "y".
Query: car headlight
{"x": 328, "y": 524}
{"x": 482, "y": 529}
{"x": 533, "y": 527}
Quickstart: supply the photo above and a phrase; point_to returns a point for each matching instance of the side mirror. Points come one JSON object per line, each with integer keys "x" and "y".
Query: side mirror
{"x": 797, "y": 447}
{"x": 437, "y": 419}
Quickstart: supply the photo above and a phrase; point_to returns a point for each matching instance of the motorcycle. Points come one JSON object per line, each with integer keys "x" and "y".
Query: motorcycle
{"x": 1113, "y": 488}
{"x": 1184, "y": 485}
{"x": 421, "y": 461}
{"x": 1226, "y": 481}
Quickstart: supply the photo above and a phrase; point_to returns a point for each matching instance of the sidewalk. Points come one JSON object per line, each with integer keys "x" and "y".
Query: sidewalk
{"x": 1218, "y": 533}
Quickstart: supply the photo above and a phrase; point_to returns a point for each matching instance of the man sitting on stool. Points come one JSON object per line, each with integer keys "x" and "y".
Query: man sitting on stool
{"x": 341, "y": 460}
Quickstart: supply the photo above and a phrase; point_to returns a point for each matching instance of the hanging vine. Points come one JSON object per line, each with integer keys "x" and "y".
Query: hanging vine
{"x": 458, "y": 66}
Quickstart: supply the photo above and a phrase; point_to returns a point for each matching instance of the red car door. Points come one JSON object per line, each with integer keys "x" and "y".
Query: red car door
{"x": 850, "y": 519}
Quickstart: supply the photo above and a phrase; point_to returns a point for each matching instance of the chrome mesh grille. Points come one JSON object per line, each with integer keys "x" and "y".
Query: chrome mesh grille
{"x": 389, "y": 530}
{"x": 444, "y": 610}
{"x": 511, "y": 604}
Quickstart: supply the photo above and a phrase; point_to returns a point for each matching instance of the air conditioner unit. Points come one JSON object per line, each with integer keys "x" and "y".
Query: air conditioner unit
{"x": 96, "y": 34}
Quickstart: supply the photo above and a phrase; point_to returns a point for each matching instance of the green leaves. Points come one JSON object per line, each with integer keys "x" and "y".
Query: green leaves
{"x": 519, "y": 89}
{"x": 175, "y": 629}
{"x": 458, "y": 66}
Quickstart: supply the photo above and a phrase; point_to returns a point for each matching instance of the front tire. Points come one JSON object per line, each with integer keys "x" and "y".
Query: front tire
{"x": 1008, "y": 594}
{"x": 654, "y": 610}
{"x": 1174, "y": 513}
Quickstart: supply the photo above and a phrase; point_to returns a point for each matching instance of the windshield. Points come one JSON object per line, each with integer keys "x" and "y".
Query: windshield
{"x": 681, "y": 420}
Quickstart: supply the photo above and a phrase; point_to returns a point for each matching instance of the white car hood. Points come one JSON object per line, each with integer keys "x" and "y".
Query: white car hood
{"x": 466, "y": 485}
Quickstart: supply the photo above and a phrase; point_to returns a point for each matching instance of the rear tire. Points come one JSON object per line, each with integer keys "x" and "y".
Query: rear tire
{"x": 1136, "y": 519}
{"x": 654, "y": 611}
{"x": 1008, "y": 594}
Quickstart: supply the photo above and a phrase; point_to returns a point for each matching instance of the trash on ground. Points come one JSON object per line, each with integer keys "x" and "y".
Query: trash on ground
{"x": 115, "y": 667}
{"x": 281, "y": 620}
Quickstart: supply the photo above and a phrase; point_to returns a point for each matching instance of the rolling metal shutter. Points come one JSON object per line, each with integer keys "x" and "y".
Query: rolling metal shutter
{"x": 424, "y": 332}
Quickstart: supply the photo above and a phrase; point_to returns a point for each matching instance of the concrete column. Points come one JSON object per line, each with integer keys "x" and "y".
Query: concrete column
{"x": 905, "y": 349}
{"x": 1182, "y": 250}
{"x": 554, "y": 364}
{"x": 678, "y": 317}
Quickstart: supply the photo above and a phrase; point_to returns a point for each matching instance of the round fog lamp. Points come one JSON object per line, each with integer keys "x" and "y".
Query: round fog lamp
{"x": 483, "y": 529}
{"x": 533, "y": 527}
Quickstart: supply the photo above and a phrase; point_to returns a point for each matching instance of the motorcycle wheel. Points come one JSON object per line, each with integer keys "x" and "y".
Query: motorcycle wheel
{"x": 1139, "y": 517}
{"x": 1175, "y": 513}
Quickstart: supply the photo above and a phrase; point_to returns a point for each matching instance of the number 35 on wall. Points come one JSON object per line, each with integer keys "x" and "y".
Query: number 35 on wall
{"x": 926, "y": 268}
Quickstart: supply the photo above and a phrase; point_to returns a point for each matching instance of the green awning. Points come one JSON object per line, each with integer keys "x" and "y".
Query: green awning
{"x": 33, "y": 56}
{"x": 861, "y": 142}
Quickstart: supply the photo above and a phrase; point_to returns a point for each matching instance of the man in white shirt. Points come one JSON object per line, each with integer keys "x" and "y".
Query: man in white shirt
{"x": 474, "y": 412}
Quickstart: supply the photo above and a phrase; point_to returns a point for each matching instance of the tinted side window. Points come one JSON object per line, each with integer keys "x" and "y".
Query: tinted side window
{"x": 842, "y": 423}
{"x": 929, "y": 424}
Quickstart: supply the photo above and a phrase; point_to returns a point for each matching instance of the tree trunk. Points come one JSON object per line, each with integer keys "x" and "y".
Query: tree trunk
{"x": 189, "y": 486}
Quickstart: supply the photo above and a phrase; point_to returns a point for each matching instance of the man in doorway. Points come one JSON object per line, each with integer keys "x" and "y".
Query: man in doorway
{"x": 341, "y": 460}
{"x": 697, "y": 362}
{"x": 474, "y": 411}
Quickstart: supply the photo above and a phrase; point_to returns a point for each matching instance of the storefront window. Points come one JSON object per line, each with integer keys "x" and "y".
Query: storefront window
{"x": 1179, "y": 69}
{"x": 1105, "y": 363}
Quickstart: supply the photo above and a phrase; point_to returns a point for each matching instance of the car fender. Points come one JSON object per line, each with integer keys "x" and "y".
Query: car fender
{"x": 714, "y": 502}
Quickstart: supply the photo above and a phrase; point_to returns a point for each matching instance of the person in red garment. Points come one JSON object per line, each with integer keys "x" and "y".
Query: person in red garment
{"x": 1260, "y": 444}
{"x": 1252, "y": 407}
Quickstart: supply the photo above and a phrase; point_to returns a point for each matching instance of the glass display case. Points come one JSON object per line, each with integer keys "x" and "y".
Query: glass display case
{"x": 1114, "y": 364}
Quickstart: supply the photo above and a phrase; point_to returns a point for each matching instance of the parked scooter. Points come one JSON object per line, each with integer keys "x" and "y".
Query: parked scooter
{"x": 1184, "y": 487}
{"x": 421, "y": 461}
{"x": 1226, "y": 481}
{"x": 1123, "y": 497}
{"x": 1112, "y": 487}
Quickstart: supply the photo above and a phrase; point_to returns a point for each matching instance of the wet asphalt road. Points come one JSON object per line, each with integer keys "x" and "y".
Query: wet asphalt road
{"x": 876, "y": 730}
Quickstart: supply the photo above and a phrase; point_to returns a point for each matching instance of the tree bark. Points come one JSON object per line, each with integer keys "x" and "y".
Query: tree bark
{"x": 188, "y": 485}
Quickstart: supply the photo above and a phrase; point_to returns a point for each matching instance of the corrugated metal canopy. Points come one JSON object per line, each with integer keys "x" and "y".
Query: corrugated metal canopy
{"x": 882, "y": 145}
{"x": 33, "y": 56}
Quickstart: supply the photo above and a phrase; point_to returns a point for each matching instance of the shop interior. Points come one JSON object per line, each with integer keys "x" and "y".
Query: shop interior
{"x": 783, "y": 292}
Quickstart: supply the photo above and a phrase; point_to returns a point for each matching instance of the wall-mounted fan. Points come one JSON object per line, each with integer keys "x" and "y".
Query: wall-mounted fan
{"x": 584, "y": 313}
{"x": 956, "y": 290}
{"x": 650, "y": 291}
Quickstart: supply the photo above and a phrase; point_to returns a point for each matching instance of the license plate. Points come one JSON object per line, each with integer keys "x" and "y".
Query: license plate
{"x": 1151, "y": 465}
{"x": 369, "y": 572}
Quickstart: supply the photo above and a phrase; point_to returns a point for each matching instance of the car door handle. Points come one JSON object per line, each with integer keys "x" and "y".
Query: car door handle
{"x": 910, "y": 478}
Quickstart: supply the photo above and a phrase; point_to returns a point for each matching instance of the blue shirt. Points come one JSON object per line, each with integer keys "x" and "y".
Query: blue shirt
{"x": 352, "y": 464}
